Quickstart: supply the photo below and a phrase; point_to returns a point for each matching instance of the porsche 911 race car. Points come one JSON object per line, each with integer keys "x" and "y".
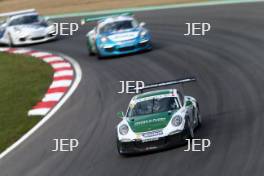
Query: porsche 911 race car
{"x": 117, "y": 35}
{"x": 157, "y": 120}
{"x": 25, "y": 27}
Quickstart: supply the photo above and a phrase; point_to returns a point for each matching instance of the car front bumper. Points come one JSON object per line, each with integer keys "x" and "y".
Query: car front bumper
{"x": 137, "y": 147}
{"x": 32, "y": 40}
{"x": 125, "y": 48}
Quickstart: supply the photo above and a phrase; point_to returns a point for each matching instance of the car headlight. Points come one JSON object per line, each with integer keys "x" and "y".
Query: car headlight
{"x": 17, "y": 30}
{"x": 104, "y": 39}
{"x": 52, "y": 27}
{"x": 143, "y": 33}
{"x": 123, "y": 129}
{"x": 176, "y": 120}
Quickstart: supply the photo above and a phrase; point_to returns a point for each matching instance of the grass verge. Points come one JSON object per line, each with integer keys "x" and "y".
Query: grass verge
{"x": 23, "y": 82}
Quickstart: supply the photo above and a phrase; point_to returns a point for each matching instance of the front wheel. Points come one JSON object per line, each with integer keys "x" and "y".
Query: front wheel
{"x": 91, "y": 53}
{"x": 119, "y": 150}
{"x": 150, "y": 47}
{"x": 11, "y": 44}
{"x": 189, "y": 130}
{"x": 118, "y": 147}
{"x": 99, "y": 55}
{"x": 199, "y": 117}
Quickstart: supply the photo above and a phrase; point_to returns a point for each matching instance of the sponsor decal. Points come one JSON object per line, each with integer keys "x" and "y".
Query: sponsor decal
{"x": 124, "y": 36}
{"x": 144, "y": 122}
{"x": 152, "y": 133}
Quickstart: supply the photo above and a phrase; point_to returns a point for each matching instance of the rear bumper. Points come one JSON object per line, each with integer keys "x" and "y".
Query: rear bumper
{"x": 137, "y": 147}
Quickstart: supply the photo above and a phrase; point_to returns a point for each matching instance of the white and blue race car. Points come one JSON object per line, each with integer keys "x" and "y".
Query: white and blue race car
{"x": 117, "y": 35}
{"x": 25, "y": 27}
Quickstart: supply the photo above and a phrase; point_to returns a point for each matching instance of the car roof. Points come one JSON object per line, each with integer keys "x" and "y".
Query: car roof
{"x": 156, "y": 93}
{"x": 22, "y": 15}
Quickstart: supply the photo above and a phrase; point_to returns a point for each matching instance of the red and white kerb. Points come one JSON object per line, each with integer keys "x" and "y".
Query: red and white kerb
{"x": 62, "y": 79}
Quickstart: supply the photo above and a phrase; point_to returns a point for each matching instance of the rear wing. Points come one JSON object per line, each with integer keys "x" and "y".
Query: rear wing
{"x": 102, "y": 17}
{"x": 9, "y": 14}
{"x": 162, "y": 84}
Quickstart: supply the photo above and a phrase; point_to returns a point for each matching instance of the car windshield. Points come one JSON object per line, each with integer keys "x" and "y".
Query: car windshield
{"x": 2, "y": 21}
{"x": 155, "y": 105}
{"x": 29, "y": 19}
{"x": 118, "y": 26}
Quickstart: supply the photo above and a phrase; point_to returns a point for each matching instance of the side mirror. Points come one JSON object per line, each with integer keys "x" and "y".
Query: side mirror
{"x": 188, "y": 103}
{"x": 142, "y": 24}
{"x": 120, "y": 114}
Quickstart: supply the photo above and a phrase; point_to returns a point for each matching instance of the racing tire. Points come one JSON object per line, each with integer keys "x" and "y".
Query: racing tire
{"x": 99, "y": 56}
{"x": 190, "y": 129}
{"x": 119, "y": 148}
{"x": 91, "y": 53}
{"x": 151, "y": 48}
{"x": 11, "y": 43}
{"x": 199, "y": 116}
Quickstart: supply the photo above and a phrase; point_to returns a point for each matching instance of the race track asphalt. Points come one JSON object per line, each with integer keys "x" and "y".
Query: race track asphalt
{"x": 229, "y": 65}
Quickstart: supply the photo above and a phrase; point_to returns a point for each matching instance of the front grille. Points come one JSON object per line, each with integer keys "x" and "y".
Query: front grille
{"x": 37, "y": 38}
{"x": 22, "y": 39}
{"x": 128, "y": 48}
{"x": 144, "y": 145}
{"x": 143, "y": 44}
{"x": 109, "y": 49}
{"x": 51, "y": 34}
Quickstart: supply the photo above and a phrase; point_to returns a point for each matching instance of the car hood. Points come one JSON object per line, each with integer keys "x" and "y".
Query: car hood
{"x": 123, "y": 35}
{"x": 29, "y": 27}
{"x": 150, "y": 122}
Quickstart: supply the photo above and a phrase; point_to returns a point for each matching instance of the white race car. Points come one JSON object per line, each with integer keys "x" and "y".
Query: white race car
{"x": 158, "y": 120}
{"x": 25, "y": 27}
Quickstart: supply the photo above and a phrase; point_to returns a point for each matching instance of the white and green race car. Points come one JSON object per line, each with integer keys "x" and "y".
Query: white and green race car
{"x": 157, "y": 120}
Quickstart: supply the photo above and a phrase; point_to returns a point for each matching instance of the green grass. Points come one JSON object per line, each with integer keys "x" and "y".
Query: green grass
{"x": 23, "y": 82}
